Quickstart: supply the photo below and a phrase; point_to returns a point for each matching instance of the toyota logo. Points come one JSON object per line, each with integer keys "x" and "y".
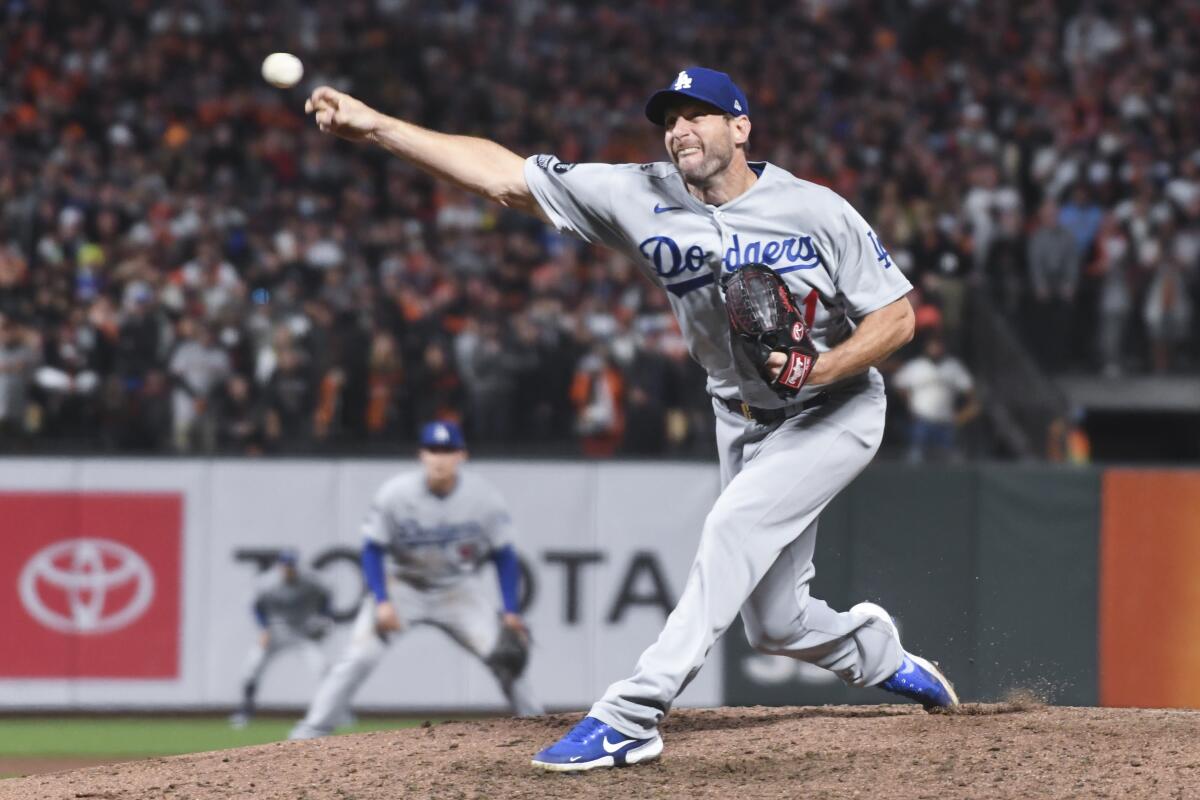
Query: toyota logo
{"x": 86, "y": 586}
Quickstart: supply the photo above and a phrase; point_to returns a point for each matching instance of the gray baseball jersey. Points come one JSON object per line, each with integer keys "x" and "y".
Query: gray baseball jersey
{"x": 830, "y": 258}
{"x": 294, "y": 605}
{"x": 755, "y": 552}
{"x": 436, "y": 541}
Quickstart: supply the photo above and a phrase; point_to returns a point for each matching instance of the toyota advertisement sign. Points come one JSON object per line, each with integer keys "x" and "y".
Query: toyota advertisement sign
{"x": 92, "y": 583}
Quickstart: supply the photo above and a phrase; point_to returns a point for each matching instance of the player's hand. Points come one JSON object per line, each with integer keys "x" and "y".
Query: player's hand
{"x": 342, "y": 115}
{"x": 775, "y": 363}
{"x": 386, "y": 618}
{"x": 777, "y": 359}
{"x": 516, "y": 623}
{"x": 264, "y": 639}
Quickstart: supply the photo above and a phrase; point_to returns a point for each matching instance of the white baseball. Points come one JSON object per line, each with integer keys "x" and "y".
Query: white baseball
{"x": 282, "y": 70}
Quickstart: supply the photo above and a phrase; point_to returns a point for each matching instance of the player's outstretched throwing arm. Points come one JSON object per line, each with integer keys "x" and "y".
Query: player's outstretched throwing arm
{"x": 477, "y": 165}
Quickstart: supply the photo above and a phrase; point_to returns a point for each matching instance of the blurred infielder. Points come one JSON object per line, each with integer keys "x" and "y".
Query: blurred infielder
{"x": 787, "y": 298}
{"x": 440, "y": 525}
{"x": 292, "y": 611}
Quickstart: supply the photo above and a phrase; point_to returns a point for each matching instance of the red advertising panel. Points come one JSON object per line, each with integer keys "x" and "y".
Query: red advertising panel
{"x": 90, "y": 584}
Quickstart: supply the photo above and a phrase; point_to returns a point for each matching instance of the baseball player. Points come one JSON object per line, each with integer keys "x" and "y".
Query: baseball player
{"x": 799, "y": 406}
{"x": 440, "y": 525}
{"x": 291, "y": 612}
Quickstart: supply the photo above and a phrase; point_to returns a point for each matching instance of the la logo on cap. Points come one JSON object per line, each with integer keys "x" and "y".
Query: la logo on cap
{"x": 441, "y": 434}
{"x": 682, "y": 81}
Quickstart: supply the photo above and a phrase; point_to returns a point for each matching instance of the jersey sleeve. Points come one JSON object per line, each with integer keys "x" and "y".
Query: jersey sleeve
{"x": 578, "y": 198}
{"x": 498, "y": 522}
{"x": 377, "y": 524}
{"x": 863, "y": 271}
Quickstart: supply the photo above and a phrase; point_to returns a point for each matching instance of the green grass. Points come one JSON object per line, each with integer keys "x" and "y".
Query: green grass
{"x": 149, "y": 736}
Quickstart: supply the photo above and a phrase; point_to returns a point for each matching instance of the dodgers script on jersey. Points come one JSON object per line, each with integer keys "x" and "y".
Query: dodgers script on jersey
{"x": 436, "y": 541}
{"x": 830, "y": 258}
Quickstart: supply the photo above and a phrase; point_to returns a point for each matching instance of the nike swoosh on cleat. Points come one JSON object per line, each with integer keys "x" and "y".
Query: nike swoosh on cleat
{"x": 575, "y": 758}
{"x": 663, "y": 209}
{"x": 612, "y": 748}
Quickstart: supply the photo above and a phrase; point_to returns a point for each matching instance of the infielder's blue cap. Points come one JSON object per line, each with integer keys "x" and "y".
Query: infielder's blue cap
{"x": 699, "y": 83}
{"x": 288, "y": 557}
{"x": 442, "y": 435}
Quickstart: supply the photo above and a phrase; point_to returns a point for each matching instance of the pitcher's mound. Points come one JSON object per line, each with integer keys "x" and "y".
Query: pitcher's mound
{"x": 1016, "y": 750}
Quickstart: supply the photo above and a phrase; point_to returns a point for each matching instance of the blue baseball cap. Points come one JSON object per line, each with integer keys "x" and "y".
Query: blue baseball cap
{"x": 699, "y": 83}
{"x": 442, "y": 435}
{"x": 288, "y": 558}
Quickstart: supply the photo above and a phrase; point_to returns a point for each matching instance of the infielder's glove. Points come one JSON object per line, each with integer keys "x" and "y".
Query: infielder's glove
{"x": 763, "y": 315}
{"x": 511, "y": 655}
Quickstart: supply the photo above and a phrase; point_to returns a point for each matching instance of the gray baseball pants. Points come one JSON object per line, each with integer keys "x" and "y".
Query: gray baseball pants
{"x": 755, "y": 556}
{"x": 461, "y": 611}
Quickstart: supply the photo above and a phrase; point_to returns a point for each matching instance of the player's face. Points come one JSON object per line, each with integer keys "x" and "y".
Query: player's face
{"x": 701, "y": 139}
{"x": 441, "y": 466}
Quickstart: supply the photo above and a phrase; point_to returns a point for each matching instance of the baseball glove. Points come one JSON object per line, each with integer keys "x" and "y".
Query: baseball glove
{"x": 763, "y": 315}
{"x": 511, "y": 655}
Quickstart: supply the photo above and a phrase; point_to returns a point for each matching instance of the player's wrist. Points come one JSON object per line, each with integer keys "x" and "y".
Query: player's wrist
{"x": 379, "y": 127}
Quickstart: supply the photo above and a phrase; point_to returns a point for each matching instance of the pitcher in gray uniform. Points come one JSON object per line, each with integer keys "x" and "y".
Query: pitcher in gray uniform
{"x": 687, "y": 223}
{"x": 440, "y": 525}
{"x": 292, "y": 612}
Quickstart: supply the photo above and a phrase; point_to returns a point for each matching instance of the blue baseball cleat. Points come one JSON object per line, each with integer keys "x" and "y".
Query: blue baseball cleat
{"x": 921, "y": 680}
{"x": 917, "y": 679}
{"x": 592, "y": 744}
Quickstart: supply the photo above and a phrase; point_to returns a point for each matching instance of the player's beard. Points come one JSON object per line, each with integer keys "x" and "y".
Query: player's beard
{"x": 717, "y": 154}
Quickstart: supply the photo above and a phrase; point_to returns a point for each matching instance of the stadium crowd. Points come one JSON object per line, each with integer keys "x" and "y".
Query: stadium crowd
{"x": 187, "y": 264}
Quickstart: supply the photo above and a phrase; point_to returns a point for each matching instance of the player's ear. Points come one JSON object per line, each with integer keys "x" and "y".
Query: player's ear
{"x": 741, "y": 129}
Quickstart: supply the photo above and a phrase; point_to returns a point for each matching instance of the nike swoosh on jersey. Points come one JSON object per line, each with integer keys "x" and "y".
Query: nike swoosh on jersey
{"x": 612, "y": 748}
{"x": 663, "y": 209}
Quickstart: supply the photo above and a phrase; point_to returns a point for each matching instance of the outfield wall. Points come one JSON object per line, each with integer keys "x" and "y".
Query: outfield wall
{"x": 1074, "y": 583}
{"x": 607, "y": 547}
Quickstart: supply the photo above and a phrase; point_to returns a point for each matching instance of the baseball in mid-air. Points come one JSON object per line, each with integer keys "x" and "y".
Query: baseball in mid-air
{"x": 282, "y": 70}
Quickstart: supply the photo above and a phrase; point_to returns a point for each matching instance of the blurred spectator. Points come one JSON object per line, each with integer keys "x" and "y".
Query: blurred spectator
{"x": 941, "y": 399}
{"x": 1082, "y": 217}
{"x": 290, "y": 396}
{"x": 17, "y": 360}
{"x": 1168, "y": 306}
{"x": 441, "y": 394}
{"x": 488, "y": 365}
{"x": 1004, "y": 268}
{"x": 240, "y": 426}
{"x": 598, "y": 392}
{"x": 197, "y": 368}
{"x": 141, "y": 420}
{"x": 1113, "y": 270}
{"x": 1054, "y": 274}
{"x": 385, "y": 383}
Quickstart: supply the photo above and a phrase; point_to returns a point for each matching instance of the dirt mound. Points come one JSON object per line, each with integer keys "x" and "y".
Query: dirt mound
{"x": 1016, "y": 749}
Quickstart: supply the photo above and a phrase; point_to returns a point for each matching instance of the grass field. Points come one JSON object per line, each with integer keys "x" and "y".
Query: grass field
{"x": 133, "y": 736}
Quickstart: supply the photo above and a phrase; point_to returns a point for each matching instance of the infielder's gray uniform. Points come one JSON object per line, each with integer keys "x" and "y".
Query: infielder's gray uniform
{"x": 755, "y": 553}
{"x": 296, "y": 615}
{"x": 437, "y": 545}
